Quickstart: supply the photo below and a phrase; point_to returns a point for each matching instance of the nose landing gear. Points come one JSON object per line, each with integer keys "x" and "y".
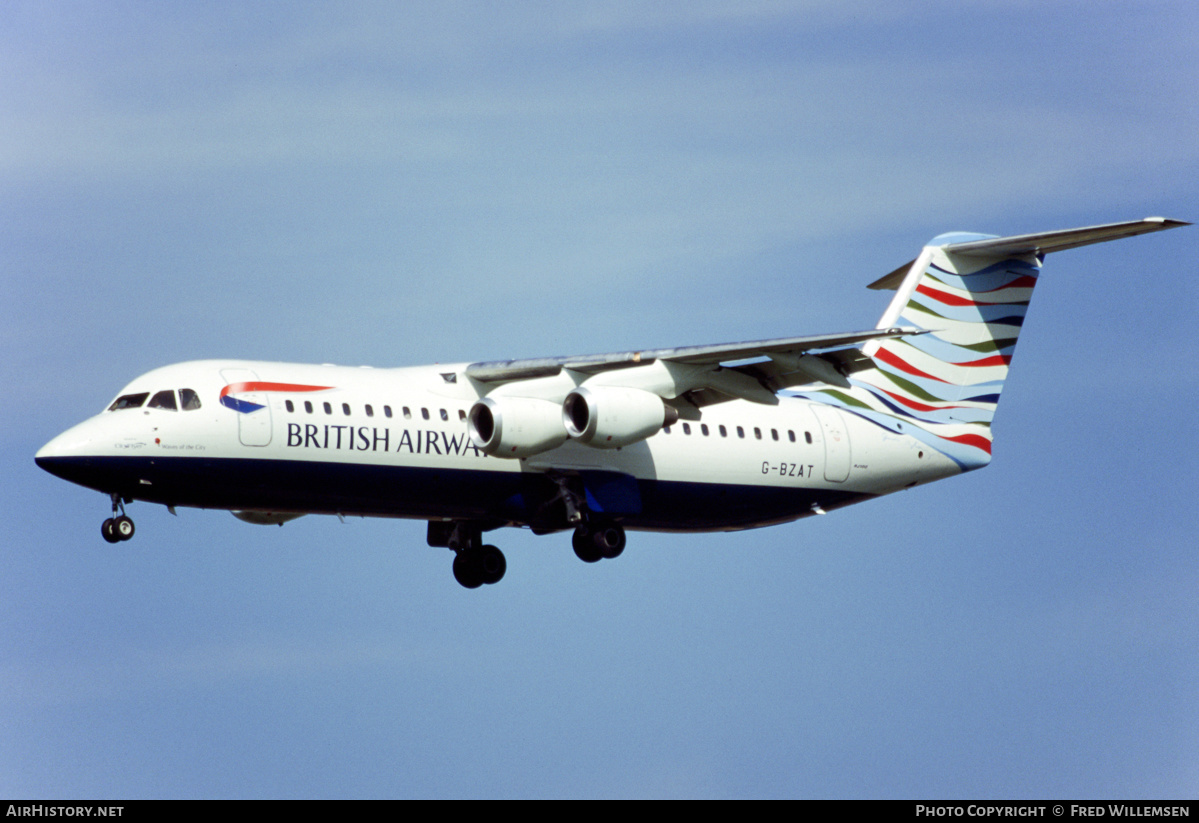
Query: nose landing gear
{"x": 119, "y": 527}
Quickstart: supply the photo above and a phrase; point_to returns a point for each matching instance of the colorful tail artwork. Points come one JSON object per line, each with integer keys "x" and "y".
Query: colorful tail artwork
{"x": 964, "y": 298}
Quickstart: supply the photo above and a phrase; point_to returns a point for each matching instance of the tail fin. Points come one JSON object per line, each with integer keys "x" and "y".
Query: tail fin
{"x": 968, "y": 294}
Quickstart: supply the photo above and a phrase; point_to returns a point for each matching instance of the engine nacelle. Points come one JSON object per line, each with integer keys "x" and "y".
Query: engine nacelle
{"x": 515, "y": 426}
{"x": 608, "y": 417}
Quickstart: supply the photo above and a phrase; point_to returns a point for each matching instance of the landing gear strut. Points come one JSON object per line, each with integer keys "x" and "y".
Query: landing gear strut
{"x": 118, "y": 527}
{"x": 474, "y": 563}
{"x": 596, "y": 537}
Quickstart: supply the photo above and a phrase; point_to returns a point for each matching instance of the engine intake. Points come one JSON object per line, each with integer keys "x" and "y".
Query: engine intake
{"x": 515, "y": 426}
{"x": 608, "y": 417}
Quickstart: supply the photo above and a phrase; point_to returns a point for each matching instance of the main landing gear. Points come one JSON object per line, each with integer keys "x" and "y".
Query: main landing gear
{"x": 474, "y": 563}
{"x": 478, "y": 565}
{"x": 596, "y": 538}
{"x": 597, "y": 541}
{"x": 118, "y": 527}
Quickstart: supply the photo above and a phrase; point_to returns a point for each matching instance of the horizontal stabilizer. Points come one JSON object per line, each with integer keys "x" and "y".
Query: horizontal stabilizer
{"x": 1040, "y": 243}
{"x": 1045, "y": 242}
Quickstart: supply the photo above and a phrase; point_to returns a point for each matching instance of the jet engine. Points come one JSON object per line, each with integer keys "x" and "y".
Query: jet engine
{"x": 515, "y": 426}
{"x": 608, "y": 417}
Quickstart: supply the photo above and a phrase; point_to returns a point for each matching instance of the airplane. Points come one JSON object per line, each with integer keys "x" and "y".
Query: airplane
{"x": 692, "y": 439}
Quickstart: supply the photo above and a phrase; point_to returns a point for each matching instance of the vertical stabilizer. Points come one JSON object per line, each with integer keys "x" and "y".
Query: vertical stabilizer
{"x": 947, "y": 382}
{"x": 968, "y": 294}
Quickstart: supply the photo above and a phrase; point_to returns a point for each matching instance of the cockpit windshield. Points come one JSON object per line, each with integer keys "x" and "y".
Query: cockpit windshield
{"x": 129, "y": 401}
{"x": 164, "y": 400}
{"x": 189, "y": 400}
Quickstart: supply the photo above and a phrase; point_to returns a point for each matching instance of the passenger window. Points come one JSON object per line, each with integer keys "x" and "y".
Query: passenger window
{"x": 461, "y": 414}
{"x": 703, "y": 427}
{"x": 424, "y": 413}
{"x": 308, "y": 406}
{"x": 774, "y": 434}
{"x": 164, "y": 400}
{"x": 407, "y": 413}
{"x": 291, "y": 407}
{"x": 666, "y": 429}
{"x": 791, "y": 435}
{"x": 189, "y": 400}
{"x": 369, "y": 411}
{"x": 345, "y": 409}
{"x": 129, "y": 401}
{"x": 387, "y": 411}
{"x": 686, "y": 428}
{"x": 740, "y": 432}
{"x": 807, "y": 436}
{"x": 757, "y": 433}
{"x": 723, "y": 431}
{"x": 328, "y": 408}
{"x": 445, "y": 415}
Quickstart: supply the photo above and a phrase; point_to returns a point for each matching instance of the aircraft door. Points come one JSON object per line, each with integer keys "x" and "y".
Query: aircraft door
{"x": 836, "y": 443}
{"x": 253, "y": 407}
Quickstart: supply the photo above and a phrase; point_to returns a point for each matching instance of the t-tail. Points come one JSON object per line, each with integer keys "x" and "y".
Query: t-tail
{"x": 964, "y": 298}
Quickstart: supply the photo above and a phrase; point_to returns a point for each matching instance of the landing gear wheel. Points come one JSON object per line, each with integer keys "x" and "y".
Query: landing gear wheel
{"x": 118, "y": 527}
{"x": 474, "y": 563}
{"x": 466, "y": 571}
{"x": 609, "y": 540}
{"x": 492, "y": 564}
{"x": 584, "y": 545}
{"x": 122, "y": 527}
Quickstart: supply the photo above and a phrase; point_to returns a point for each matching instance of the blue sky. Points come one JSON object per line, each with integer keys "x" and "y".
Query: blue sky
{"x": 460, "y": 181}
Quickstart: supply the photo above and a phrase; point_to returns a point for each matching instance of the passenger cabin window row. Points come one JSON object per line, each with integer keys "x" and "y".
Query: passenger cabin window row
{"x": 774, "y": 433}
{"x": 370, "y": 410}
{"x": 188, "y": 400}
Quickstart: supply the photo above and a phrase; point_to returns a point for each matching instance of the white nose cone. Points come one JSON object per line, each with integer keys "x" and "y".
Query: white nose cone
{"x": 72, "y": 454}
{"x": 71, "y": 443}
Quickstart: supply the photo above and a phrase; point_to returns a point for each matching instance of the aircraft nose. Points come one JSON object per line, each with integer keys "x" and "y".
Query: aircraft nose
{"x": 69, "y": 443}
{"x": 64, "y": 451}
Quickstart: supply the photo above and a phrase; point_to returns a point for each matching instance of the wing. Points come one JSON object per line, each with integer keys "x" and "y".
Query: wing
{"x": 712, "y": 373}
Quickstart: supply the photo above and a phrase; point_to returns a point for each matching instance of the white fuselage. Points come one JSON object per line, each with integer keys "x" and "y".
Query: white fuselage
{"x": 395, "y": 442}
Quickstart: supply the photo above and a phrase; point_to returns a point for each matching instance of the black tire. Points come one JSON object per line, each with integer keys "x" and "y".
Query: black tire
{"x": 123, "y": 528}
{"x": 108, "y": 529}
{"x": 492, "y": 564}
{"x": 609, "y": 540}
{"x": 584, "y": 545}
{"x": 466, "y": 571}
